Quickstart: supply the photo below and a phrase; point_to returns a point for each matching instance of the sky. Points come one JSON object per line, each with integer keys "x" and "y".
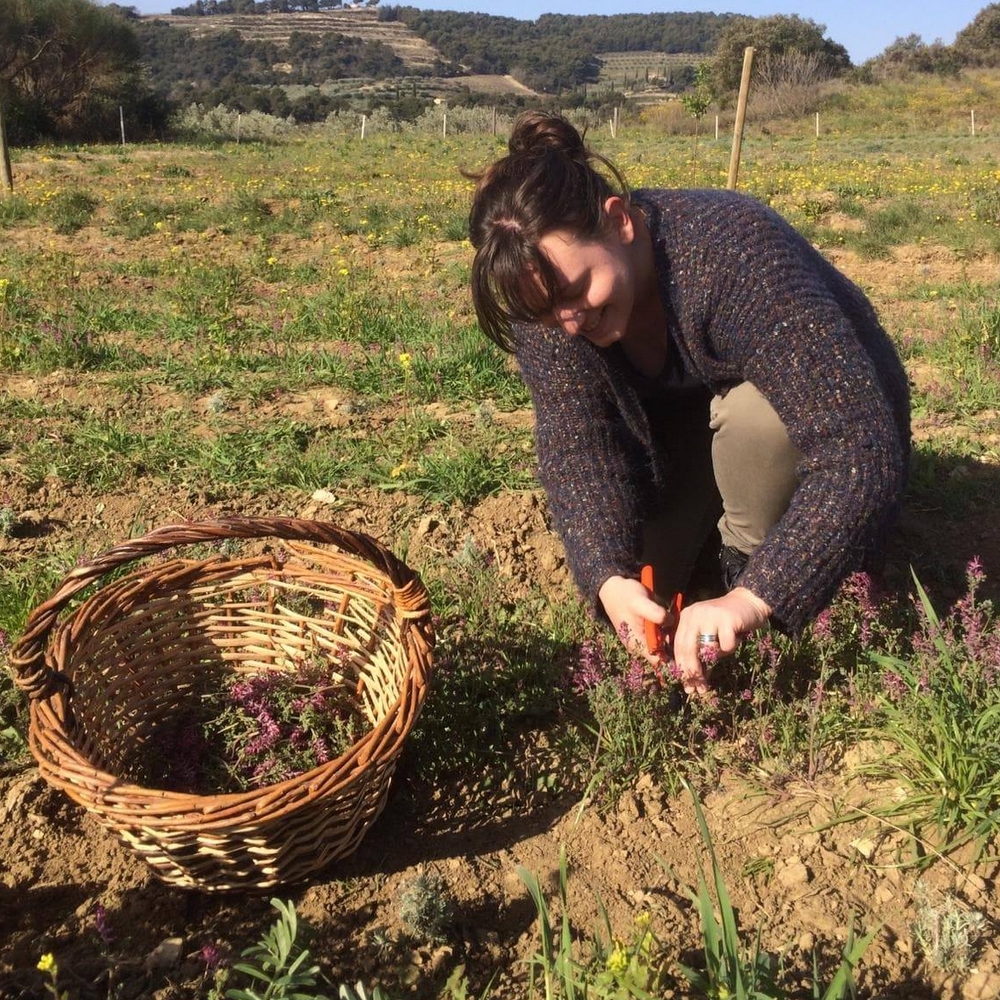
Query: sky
{"x": 863, "y": 27}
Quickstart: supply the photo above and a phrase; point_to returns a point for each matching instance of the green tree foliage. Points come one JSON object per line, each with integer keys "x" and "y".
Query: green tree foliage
{"x": 773, "y": 38}
{"x": 978, "y": 44}
{"x": 912, "y": 55}
{"x": 222, "y": 65}
{"x": 557, "y": 52}
{"x": 66, "y": 66}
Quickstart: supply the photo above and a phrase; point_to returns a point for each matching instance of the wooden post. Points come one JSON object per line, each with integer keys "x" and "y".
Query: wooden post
{"x": 817, "y": 124}
{"x": 121, "y": 121}
{"x": 364, "y": 120}
{"x": 239, "y": 126}
{"x": 741, "y": 115}
{"x": 444, "y": 125}
{"x": 973, "y": 121}
{"x": 494, "y": 119}
{"x": 716, "y": 128}
{"x": 6, "y": 175}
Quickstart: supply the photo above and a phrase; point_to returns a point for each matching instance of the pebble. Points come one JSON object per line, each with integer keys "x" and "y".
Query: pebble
{"x": 166, "y": 955}
{"x": 793, "y": 873}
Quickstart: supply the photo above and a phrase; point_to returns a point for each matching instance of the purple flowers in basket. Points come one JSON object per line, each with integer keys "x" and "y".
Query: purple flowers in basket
{"x": 257, "y": 729}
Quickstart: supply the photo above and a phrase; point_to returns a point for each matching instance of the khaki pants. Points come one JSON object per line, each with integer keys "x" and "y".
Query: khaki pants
{"x": 735, "y": 475}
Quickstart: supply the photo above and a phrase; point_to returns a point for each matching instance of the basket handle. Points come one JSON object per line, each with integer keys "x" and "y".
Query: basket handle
{"x": 30, "y": 667}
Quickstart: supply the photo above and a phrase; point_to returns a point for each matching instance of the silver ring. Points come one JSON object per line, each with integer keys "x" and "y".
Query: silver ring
{"x": 707, "y": 638}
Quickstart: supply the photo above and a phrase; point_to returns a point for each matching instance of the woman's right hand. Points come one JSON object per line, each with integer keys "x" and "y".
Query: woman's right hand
{"x": 629, "y": 606}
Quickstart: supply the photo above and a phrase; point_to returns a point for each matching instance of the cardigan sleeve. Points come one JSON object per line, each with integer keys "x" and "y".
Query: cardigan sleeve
{"x": 590, "y": 462}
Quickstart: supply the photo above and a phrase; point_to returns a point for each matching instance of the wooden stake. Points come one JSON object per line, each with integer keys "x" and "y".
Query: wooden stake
{"x": 121, "y": 121}
{"x": 6, "y": 175}
{"x": 741, "y": 114}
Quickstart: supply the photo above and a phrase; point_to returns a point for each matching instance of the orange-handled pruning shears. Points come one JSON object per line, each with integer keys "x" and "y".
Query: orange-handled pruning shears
{"x": 658, "y": 638}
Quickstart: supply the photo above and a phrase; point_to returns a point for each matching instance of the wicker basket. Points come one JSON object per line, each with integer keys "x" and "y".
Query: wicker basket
{"x": 107, "y": 673}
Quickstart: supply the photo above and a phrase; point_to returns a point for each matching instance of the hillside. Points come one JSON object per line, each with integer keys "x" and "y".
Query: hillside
{"x": 482, "y": 54}
{"x": 364, "y": 24}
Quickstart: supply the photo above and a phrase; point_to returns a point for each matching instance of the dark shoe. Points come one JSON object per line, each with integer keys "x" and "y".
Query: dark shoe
{"x": 732, "y": 562}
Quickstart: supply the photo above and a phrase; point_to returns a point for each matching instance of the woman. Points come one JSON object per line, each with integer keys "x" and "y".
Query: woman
{"x": 692, "y": 360}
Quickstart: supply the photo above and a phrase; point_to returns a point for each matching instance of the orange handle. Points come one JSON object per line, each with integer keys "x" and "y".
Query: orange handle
{"x": 654, "y": 638}
{"x": 654, "y": 633}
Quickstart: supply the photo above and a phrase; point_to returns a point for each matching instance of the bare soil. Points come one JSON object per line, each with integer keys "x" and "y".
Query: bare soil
{"x": 789, "y": 872}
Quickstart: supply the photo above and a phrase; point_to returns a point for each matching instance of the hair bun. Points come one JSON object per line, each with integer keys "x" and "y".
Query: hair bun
{"x": 537, "y": 131}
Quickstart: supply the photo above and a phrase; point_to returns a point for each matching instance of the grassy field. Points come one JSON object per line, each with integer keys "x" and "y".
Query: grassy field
{"x": 283, "y": 327}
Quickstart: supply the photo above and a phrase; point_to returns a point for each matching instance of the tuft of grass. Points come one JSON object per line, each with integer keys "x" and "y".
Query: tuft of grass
{"x": 940, "y": 710}
{"x": 69, "y": 211}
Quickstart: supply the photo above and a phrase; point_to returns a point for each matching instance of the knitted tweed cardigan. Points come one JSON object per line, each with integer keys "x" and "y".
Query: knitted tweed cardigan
{"x": 747, "y": 298}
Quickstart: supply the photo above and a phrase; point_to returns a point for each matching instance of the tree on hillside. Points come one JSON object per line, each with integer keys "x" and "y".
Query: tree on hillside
{"x": 781, "y": 41}
{"x": 66, "y": 66}
{"x": 978, "y": 44}
{"x": 912, "y": 55}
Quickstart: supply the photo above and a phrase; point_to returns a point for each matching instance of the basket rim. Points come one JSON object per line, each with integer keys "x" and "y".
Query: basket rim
{"x": 27, "y": 661}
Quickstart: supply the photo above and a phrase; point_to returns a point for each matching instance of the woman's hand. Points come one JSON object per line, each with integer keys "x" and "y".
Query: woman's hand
{"x": 729, "y": 617}
{"x": 629, "y": 605}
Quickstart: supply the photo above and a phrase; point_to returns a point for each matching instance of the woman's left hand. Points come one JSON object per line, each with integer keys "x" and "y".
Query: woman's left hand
{"x": 730, "y": 617}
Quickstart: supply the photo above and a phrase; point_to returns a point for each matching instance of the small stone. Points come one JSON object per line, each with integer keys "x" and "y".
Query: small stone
{"x": 807, "y": 943}
{"x": 324, "y": 496}
{"x": 166, "y": 955}
{"x": 793, "y": 874}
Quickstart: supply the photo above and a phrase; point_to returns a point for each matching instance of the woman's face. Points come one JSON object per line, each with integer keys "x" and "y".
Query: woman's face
{"x": 595, "y": 279}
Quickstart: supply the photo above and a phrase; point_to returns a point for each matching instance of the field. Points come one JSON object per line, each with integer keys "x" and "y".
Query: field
{"x": 283, "y": 328}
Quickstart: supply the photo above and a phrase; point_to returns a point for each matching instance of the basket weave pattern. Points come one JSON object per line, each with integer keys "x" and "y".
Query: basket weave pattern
{"x": 106, "y": 677}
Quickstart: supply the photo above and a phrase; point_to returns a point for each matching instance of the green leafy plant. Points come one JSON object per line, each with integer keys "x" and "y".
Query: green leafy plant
{"x": 615, "y": 968}
{"x": 280, "y": 966}
{"x": 941, "y": 712}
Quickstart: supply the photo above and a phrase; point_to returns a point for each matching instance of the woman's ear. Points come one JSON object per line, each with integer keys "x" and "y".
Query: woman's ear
{"x": 619, "y": 219}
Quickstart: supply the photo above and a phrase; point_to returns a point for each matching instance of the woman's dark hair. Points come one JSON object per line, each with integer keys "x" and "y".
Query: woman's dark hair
{"x": 546, "y": 181}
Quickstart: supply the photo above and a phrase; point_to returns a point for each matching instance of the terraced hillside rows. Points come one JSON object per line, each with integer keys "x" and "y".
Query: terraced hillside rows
{"x": 363, "y": 23}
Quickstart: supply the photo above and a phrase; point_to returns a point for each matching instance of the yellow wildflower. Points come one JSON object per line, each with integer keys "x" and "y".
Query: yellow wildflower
{"x": 47, "y": 962}
{"x": 405, "y": 361}
{"x": 617, "y": 961}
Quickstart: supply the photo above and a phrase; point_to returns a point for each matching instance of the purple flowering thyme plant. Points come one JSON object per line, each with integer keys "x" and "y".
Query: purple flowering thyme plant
{"x": 257, "y": 729}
